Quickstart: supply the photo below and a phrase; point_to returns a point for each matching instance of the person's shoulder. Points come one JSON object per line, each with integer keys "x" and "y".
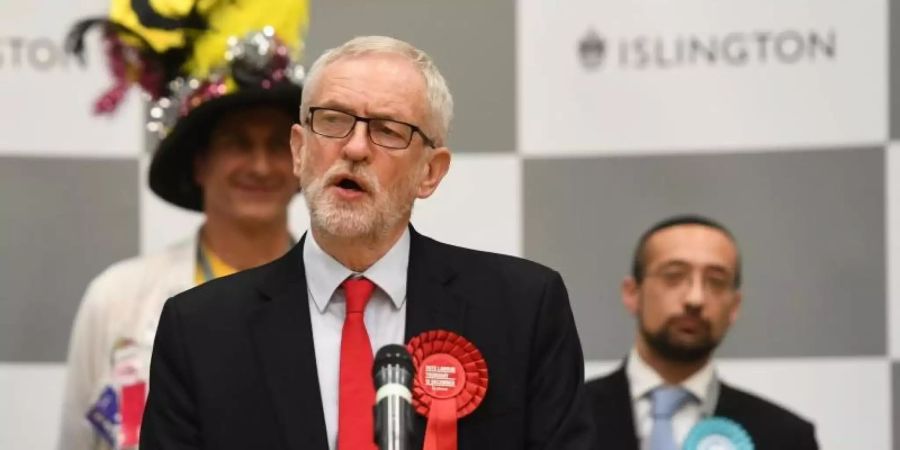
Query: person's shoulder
{"x": 737, "y": 401}
{"x": 519, "y": 286}
{"x": 477, "y": 260}
{"x": 225, "y": 293}
{"x": 135, "y": 272}
{"x": 606, "y": 384}
{"x": 604, "y": 381}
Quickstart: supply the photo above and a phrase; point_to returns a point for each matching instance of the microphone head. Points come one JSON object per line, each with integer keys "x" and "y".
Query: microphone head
{"x": 392, "y": 355}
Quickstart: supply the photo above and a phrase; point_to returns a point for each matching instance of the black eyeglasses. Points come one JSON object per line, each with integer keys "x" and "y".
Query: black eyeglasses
{"x": 383, "y": 132}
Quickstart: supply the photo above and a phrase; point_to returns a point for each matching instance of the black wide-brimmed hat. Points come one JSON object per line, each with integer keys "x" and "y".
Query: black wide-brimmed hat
{"x": 172, "y": 169}
{"x": 197, "y": 61}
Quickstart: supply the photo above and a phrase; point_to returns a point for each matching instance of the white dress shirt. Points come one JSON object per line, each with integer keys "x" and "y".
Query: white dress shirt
{"x": 385, "y": 314}
{"x": 642, "y": 379}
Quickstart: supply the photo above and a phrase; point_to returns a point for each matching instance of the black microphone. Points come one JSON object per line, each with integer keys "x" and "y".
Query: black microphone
{"x": 393, "y": 372}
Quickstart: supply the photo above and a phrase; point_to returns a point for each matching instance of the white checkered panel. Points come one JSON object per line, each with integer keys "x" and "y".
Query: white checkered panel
{"x": 893, "y": 241}
{"x": 844, "y": 397}
{"x": 47, "y": 96}
{"x": 478, "y": 204}
{"x": 32, "y": 396}
{"x": 599, "y": 77}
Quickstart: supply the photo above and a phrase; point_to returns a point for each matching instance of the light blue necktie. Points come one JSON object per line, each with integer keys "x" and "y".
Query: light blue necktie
{"x": 666, "y": 400}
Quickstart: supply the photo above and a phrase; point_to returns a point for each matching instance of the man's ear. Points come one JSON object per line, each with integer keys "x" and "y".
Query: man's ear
{"x": 735, "y": 308}
{"x": 631, "y": 295}
{"x": 437, "y": 163}
{"x": 298, "y": 141}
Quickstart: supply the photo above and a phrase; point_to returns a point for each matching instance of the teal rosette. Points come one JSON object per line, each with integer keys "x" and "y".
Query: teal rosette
{"x": 718, "y": 433}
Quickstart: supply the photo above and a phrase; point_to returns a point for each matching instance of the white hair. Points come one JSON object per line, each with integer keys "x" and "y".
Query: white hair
{"x": 437, "y": 95}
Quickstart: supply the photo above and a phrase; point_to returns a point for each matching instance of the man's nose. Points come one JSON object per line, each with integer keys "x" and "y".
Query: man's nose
{"x": 358, "y": 146}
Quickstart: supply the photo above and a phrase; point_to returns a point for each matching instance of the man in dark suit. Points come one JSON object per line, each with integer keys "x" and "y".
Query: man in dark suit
{"x": 280, "y": 357}
{"x": 684, "y": 292}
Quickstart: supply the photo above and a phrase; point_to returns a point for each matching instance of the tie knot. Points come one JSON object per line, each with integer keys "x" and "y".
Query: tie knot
{"x": 357, "y": 292}
{"x": 667, "y": 400}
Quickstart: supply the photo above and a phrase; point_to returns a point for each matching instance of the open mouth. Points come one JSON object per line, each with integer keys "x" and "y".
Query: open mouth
{"x": 350, "y": 185}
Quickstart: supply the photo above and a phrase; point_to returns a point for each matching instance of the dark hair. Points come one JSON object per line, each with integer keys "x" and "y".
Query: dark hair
{"x": 638, "y": 260}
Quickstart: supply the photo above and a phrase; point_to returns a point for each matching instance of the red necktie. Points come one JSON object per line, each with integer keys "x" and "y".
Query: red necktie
{"x": 356, "y": 394}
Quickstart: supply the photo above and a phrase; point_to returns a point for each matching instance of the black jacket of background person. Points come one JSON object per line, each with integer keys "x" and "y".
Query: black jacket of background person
{"x": 234, "y": 365}
{"x": 770, "y": 426}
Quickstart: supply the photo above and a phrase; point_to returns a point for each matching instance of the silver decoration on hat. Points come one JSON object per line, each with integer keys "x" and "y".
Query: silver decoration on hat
{"x": 250, "y": 61}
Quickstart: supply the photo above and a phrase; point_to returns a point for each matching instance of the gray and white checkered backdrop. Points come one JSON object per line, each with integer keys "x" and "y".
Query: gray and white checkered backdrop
{"x": 578, "y": 124}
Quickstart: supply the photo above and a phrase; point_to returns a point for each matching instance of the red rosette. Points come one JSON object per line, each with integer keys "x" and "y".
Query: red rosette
{"x": 451, "y": 381}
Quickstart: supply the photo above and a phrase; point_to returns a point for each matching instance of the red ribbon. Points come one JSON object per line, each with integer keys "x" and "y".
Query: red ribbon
{"x": 440, "y": 434}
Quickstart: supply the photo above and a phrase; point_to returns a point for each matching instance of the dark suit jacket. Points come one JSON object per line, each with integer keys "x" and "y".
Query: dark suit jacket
{"x": 234, "y": 365}
{"x": 770, "y": 426}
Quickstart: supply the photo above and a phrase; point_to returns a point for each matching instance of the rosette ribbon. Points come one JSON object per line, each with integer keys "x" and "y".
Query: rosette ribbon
{"x": 451, "y": 381}
{"x": 718, "y": 433}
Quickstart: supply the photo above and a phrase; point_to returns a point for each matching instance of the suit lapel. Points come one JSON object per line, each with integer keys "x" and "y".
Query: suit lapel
{"x": 615, "y": 416}
{"x": 282, "y": 335}
{"x": 430, "y": 304}
{"x": 728, "y": 405}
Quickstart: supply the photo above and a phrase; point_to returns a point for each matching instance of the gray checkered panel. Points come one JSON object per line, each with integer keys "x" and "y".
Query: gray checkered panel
{"x": 472, "y": 42}
{"x": 810, "y": 224}
{"x": 62, "y": 221}
{"x": 895, "y": 371}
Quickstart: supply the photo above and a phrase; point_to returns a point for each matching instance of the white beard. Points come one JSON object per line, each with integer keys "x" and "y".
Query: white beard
{"x": 373, "y": 217}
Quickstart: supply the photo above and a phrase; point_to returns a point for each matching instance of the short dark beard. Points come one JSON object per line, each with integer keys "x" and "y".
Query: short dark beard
{"x": 665, "y": 346}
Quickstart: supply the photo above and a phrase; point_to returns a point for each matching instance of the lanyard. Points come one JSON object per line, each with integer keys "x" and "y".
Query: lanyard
{"x": 203, "y": 261}
{"x": 206, "y": 268}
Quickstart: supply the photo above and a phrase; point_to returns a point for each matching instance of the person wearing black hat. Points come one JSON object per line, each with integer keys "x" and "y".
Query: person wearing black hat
{"x": 225, "y": 98}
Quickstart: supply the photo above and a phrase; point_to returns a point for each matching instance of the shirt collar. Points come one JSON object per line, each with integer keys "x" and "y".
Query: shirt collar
{"x": 324, "y": 274}
{"x": 643, "y": 379}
